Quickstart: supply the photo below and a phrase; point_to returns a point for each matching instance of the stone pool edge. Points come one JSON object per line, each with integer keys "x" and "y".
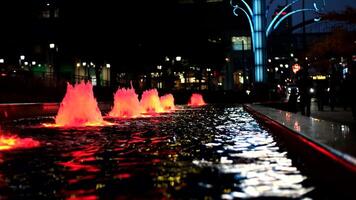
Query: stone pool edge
{"x": 329, "y": 159}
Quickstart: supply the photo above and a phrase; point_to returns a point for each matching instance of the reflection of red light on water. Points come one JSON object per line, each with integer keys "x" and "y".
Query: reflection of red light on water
{"x": 126, "y": 104}
{"x": 196, "y": 100}
{"x": 81, "y": 195}
{"x": 14, "y": 142}
{"x": 150, "y": 102}
{"x": 89, "y": 197}
{"x": 167, "y": 102}
{"x": 81, "y": 159}
{"x": 72, "y": 166}
{"x": 79, "y": 108}
{"x": 123, "y": 176}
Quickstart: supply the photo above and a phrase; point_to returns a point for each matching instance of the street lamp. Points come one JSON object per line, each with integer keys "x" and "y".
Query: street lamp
{"x": 52, "y": 46}
{"x": 2, "y": 60}
{"x": 178, "y": 58}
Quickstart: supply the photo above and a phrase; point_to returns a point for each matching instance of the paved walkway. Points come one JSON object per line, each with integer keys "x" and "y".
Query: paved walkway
{"x": 336, "y": 137}
{"x": 338, "y": 115}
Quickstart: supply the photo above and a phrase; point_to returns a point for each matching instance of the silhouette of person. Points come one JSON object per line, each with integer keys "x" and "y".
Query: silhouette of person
{"x": 353, "y": 83}
{"x": 345, "y": 91}
{"x": 304, "y": 84}
{"x": 334, "y": 81}
{"x": 292, "y": 101}
{"x": 320, "y": 95}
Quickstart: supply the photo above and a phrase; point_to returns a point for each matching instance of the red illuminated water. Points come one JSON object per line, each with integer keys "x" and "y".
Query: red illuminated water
{"x": 79, "y": 107}
{"x": 8, "y": 142}
{"x": 150, "y": 102}
{"x": 196, "y": 100}
{"x": 126, "y": 104}
{"x": 167, "y": 102}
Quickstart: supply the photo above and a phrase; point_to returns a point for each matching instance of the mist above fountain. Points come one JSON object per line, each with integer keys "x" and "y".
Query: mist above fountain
{"x": 126, "y": 104}
{"x": 79, "y": 107}
{"x": 196, "y": 100}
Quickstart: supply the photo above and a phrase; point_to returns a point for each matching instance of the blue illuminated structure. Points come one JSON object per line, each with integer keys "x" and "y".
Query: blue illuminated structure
{"x": 260, "y": 31}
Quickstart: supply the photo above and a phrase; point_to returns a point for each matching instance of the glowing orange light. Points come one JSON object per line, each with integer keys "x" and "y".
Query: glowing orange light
{"x": 196, "y": 100}
{"x": 295, "y": 68}
{"x": 79, "y": 108}
{"x": 296, "y": 126}
{"x": 126, "y": 104}
{"x": 167, "y": 102}
{"x": 14, "y": 142}
{"x": 150, "y": 102}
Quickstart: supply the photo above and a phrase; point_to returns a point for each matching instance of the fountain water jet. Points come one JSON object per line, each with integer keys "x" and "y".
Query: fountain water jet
{"x": 79, "y": 108}
{"x": 150, "y": 102}
{"x": 167, "y": 102}
{"x": 8, "y": 142}
{"x": 196, "y": 100}
{"x": 126, "y": 104}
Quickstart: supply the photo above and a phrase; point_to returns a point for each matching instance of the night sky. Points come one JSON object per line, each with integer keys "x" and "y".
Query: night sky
{"x": 138, "y": 31}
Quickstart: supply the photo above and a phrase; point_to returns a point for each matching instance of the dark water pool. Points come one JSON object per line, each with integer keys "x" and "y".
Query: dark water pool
{"x": 213, "y": 152}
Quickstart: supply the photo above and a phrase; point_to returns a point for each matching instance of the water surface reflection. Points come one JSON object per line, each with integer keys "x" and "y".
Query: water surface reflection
{"x": 206, "y": 152}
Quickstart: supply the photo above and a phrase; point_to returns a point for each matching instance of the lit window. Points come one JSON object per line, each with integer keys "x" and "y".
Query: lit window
{"x": 241, "y": 43}
{"x": 46, "y": 14}
{"x": 56, "y": 13}
{"x": 93, "y": 80}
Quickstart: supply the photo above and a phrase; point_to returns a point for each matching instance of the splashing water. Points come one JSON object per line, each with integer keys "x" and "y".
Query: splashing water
{"x": 79, "y": 107}
{"x": 126, "y": 104}
{"x": 150, "y": 102}
{"x": 8, "y": 142}
{"x": 167, "y": 102}
{"x": 196, "y": 100}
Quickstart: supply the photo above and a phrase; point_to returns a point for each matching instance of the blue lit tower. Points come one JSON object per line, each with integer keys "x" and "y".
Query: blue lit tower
{"x": 259, "y": 21}
{"x": 260, "y": 29}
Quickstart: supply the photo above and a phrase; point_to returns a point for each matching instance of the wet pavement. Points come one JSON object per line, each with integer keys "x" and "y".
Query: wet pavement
{"x": 211, "y": 152}
{"x": 339, "y": 114}
{"x": 338, "y": 138}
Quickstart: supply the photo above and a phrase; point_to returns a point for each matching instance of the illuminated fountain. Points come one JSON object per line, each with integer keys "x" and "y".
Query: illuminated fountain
{"x": 126, "y": 104}
{"x": 150, "y": 102}
{"x": 8, "y": 142}
{"x": 167, "y": 102}
{"x": 79, "y": 108}
{"x": 196, "y": 100}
